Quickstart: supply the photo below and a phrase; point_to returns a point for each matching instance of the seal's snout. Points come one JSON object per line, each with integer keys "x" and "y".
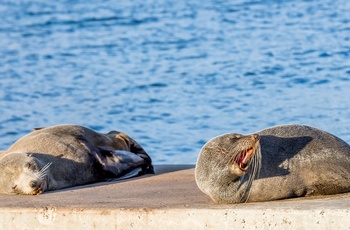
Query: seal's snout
{"x": 256, "y": 137}
{"x": 33, "y": 184}
{"x": 37, "y": 187}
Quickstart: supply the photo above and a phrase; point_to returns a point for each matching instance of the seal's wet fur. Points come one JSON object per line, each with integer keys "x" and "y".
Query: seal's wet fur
{"x": 67, "y": 155}
{"x": 296, "y": 161}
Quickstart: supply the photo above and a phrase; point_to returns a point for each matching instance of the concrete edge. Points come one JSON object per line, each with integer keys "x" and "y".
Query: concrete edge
{"x": 53, "y": 218}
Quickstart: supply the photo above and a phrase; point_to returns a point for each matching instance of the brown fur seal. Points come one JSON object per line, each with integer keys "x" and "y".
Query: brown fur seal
{"x": 67, "y": 155}
{"x": 276, "y": 163}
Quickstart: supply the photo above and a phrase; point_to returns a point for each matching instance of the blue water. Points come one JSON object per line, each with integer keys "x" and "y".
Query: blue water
{"x": 173, "y": 74}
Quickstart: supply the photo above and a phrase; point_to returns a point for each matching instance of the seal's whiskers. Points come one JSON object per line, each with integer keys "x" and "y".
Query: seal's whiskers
{"x": 255, "y": 166}
{"x": 43, "y": 171}
{"x": 234, "y": 157}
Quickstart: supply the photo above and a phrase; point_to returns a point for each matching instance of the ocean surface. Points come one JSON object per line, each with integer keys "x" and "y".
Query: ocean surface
{"x": 174, "y": 74}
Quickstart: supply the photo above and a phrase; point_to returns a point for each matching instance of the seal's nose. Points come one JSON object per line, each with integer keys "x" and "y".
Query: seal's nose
{"x": 256, "y": 137}
{"x": 33, "y": 184}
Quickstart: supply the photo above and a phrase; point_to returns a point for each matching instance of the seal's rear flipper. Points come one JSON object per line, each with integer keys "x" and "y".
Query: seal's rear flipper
{"x": 133, "y": 173}
{"x": 122, "y": 164}
{"x": 123, "y": 141}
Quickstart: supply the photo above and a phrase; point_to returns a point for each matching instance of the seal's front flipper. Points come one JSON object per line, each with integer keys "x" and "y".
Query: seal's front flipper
{"x": 121, "y": 164}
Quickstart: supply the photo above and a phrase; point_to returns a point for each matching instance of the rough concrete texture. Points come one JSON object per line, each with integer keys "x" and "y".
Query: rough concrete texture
{"x": 168, "y": 200}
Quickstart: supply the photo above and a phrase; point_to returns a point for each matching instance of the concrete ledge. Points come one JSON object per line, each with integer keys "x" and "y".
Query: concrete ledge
{"x": 168, "y": 200}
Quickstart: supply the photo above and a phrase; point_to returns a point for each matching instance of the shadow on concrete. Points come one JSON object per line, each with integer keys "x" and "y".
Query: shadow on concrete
{"x": 159, "y": 170}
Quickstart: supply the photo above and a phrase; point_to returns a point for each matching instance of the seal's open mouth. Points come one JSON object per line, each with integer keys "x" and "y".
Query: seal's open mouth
{"x": 243, "y": 159}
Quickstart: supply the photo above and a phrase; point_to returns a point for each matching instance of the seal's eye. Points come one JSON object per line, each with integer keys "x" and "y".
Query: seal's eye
{"x": 28, "y": 165}
{"x": 234, "y": 138}
{"x": 31, "y": 166}
{"x": 14, "y": 187}
{"x": 35, "y": 167}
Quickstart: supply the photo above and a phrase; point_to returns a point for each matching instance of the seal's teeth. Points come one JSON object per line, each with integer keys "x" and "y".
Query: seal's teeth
{"x": 242, "y": 167}
{"x": 247, "y": 156}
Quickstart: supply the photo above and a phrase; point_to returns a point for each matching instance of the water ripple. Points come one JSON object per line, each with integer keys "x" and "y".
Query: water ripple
{"x": 174, "y": 74}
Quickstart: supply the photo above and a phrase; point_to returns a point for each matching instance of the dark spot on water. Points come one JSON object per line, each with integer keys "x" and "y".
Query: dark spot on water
{"x": 324, "y": 55}
{"x": 153, "y": 85}
{"x": 344, "y": 53}
{"x": 185, "y": 149}
{"x": 272, "y": 70}
{"x": 48, "y": 57}
{"x": 258, "y": 83}
{"x": 300, "y": 81}
{"x": 248, "y": 95}
{"x": 115, "y": 111}
{"x": 158, "y": 85}
{"x": 32, "y": 57}
{"x": 15, "y": 119}
{"x": 201, "y": 142}
{"x": 324, "y": 81}
{"x": 249, "y": 74}
{"x": 67, "y": 54}
{"x": 50, "y": 94}
{"x": 154, "y": 100}
{"x": 290, "y": 75}
{"x": 305, "y": 52}
{"x": 269, "y": 54}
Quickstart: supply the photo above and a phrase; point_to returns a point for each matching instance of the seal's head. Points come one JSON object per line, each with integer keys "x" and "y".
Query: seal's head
{"x": 22, "y": 173}
{"x": 226, "y": 163}
{"x": 243, "y": 150}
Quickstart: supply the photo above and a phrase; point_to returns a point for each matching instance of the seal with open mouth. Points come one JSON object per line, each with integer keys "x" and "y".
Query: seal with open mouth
{"x": 275, "y": 163}
{"x": 68, "y": 155}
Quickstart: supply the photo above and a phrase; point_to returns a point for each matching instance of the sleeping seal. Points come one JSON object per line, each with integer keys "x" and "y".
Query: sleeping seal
{"x": 275, "y": 163}
{"x": 67, "y": 155}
